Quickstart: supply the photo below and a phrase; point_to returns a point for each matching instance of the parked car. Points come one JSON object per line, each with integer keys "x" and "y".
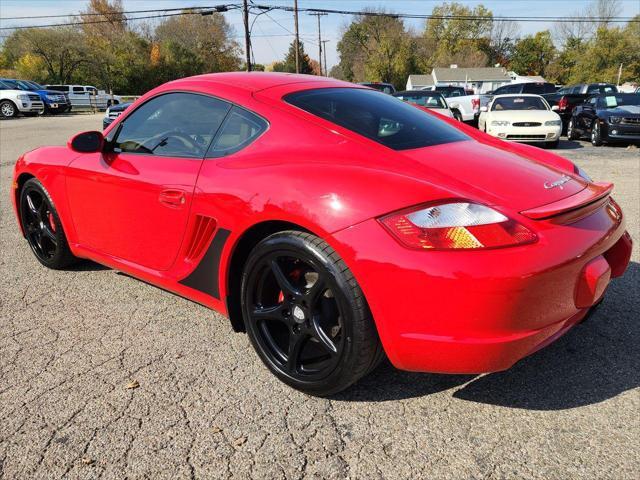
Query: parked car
{"x": 381, "y": 86}
{"x": 464, "y": 107}
{"x": 568, "y": 97}
{"x": 433, "y": 101}
{"x": 385, "y": 204}
{"x": 83, "y": 96}
{"x": 521, "y": 118}
{"x": 14, "y": 101}
{"x": 54, "y": 102}
{"x": 608, "y": 118}
{"x": 113, "y": 112}
{"x": 536, "y": 88}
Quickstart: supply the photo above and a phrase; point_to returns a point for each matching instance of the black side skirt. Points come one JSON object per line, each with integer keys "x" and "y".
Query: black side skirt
{"x": 205, "y": 276}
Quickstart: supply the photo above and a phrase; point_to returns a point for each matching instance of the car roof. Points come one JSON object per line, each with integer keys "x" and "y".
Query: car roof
{"x": 431, "y": 93}
{"x": 255, "y": 81}
{"x": 505, "y": 95}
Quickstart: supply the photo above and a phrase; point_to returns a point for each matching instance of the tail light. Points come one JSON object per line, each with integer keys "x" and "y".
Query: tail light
{"x": 457, "y": 225}
{"x": 475, "y": 103}
{"x": 563, "y": 104}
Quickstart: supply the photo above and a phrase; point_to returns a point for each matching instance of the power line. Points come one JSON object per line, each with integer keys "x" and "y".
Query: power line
{"x": 93, "y": 14}
{"x": 585, "y": 19}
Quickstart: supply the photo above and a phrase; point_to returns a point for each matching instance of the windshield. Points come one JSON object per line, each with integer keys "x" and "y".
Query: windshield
{"x": 619, "y": 100}
{"x": 14, "y": 84}
{"x": 424, "y": 99}
{"x": 518, "y": 103}
{"x": 376, "y": 116}
{"x": 451, "y": 92}
{"x": 34, "y": 85}
{"x": 383, "y": 87}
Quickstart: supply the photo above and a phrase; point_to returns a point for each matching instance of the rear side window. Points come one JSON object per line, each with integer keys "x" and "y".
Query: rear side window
{"x": 59, "y": 88}
{"x": 376, "y": 116}
{"x": 78, "y": 89}
{"x": 601, "y": 89}
{"x": 240, "y": 128}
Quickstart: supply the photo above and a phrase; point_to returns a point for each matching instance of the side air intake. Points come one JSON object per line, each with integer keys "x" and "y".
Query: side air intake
{"x": 200, "y": 235}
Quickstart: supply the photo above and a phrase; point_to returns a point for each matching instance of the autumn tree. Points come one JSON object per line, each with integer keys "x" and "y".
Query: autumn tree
{"x": 55, "y": 55}
{"x": 449, "y": 37}
{"x": 376, "y": 48}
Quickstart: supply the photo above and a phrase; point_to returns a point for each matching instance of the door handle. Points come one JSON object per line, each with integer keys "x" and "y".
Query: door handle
{"x": 172, "y": 197}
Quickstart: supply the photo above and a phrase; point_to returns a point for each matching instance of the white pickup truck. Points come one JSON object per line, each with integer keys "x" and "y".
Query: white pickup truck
{"x": 84, "y": 96}
{"x": 465, "y": 108}
{"x": 14, "y": 101}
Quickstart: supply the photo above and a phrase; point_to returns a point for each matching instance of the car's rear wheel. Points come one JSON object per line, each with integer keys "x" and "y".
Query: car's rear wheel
{"x": 596, "y": 135}
{"x": 8, "y": 109}
{"x": 457, "y": 115}
{"x": 572, "y": 134}
{"x": 42, "y": 227}
{"x": 306, "y": 315}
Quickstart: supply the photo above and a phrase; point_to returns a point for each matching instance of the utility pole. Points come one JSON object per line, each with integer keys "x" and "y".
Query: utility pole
{"x": 247, "y": 38}
{"x": 619, "y": 74}
{"x": 324, "y": 50}
{"x": 297, "y": 40}
{"x": 318, "y": 14}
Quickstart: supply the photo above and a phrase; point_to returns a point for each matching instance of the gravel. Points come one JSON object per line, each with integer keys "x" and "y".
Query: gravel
{"x": 105, "y": 376}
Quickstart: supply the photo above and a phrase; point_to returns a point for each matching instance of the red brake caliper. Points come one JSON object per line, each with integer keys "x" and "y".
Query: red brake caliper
{"x": 52, "y": 224}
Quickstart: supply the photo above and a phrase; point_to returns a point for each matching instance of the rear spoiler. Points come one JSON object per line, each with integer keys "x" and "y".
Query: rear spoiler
{"x": 576, "y": 206}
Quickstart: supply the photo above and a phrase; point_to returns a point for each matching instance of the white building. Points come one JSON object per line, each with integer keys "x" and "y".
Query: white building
{"x": 480, "y": 80}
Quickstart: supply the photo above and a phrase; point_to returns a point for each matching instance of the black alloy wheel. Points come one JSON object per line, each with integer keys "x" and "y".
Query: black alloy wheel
{"x": 42, "y": 227}
{"x": 306, "y": 316}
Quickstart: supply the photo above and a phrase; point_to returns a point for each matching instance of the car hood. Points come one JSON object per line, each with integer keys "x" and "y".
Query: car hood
{"x": 121, "y": 107}
{"x": 622, "y": 110}
{"x": 524, "y": 115}
{"x": 497, "y": 177}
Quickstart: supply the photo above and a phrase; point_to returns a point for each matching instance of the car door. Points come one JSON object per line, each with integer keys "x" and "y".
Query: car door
{"x": 588, "y": 114}
{"x": 132, "y": 201}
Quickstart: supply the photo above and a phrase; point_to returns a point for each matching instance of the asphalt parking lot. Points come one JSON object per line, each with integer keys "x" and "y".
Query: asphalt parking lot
{"x": 105, "y": 376}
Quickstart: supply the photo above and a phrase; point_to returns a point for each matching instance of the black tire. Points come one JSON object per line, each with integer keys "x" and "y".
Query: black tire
{"x": 596, "y": 135}
{"x": 306, "y": 315}
{"x": 42, "y": 227}
{"x": 457, "y": 115}
{"x": 571, "y": 131}
{"x": 8, "y": 109}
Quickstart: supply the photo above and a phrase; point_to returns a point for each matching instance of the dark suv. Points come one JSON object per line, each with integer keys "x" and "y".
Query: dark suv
{"x": 538, "y": 88}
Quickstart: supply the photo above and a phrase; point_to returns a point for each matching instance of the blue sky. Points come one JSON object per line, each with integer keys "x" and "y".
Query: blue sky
{"x": 271, "y": 40}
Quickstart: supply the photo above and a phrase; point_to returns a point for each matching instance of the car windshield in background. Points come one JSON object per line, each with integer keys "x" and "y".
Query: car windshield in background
{"x": 383, "y": 87}
{"x": 424, "y": 99}
{"x": 451, "y": 91}
{"x": 619, "y": 100}
{"x": 594, "y": 89}
{"x": 14, "y": 84}
{"x": 33, "y": 85}
{"x": 518, "y": 103}
{"x": 379, "y": 117}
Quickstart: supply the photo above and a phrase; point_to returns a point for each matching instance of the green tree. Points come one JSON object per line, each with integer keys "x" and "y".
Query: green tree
{"x": 533, "y": 54}
{"x": 289, "y": 63}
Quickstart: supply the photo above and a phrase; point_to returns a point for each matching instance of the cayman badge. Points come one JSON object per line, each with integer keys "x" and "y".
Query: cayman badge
{"x": 558, "y": 183}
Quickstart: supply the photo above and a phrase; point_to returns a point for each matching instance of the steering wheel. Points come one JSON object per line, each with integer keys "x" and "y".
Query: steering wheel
{"x": 162, "y": 138}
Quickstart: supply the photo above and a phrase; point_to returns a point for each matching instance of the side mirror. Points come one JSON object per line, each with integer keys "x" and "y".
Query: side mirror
{"x": 86, "y": 142}
{"x": 483, "y": 109}
{"x": 555, "y": 108}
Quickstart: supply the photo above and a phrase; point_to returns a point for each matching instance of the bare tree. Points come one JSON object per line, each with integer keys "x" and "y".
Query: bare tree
{"x": 600, "y": 13}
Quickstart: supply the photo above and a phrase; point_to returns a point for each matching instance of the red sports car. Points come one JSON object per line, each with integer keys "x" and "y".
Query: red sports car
{"x": 331, "y": 222}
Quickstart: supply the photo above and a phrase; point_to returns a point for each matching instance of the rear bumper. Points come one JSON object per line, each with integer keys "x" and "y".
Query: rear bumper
{"x": 482, "y": 311}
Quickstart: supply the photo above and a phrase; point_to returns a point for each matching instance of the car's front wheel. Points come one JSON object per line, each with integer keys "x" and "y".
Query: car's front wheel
{"x": 8, "y": 109}
{"x": 42, "y": 226}
{"x": 596, "y": 135}
{"x": 306, "y": 315}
